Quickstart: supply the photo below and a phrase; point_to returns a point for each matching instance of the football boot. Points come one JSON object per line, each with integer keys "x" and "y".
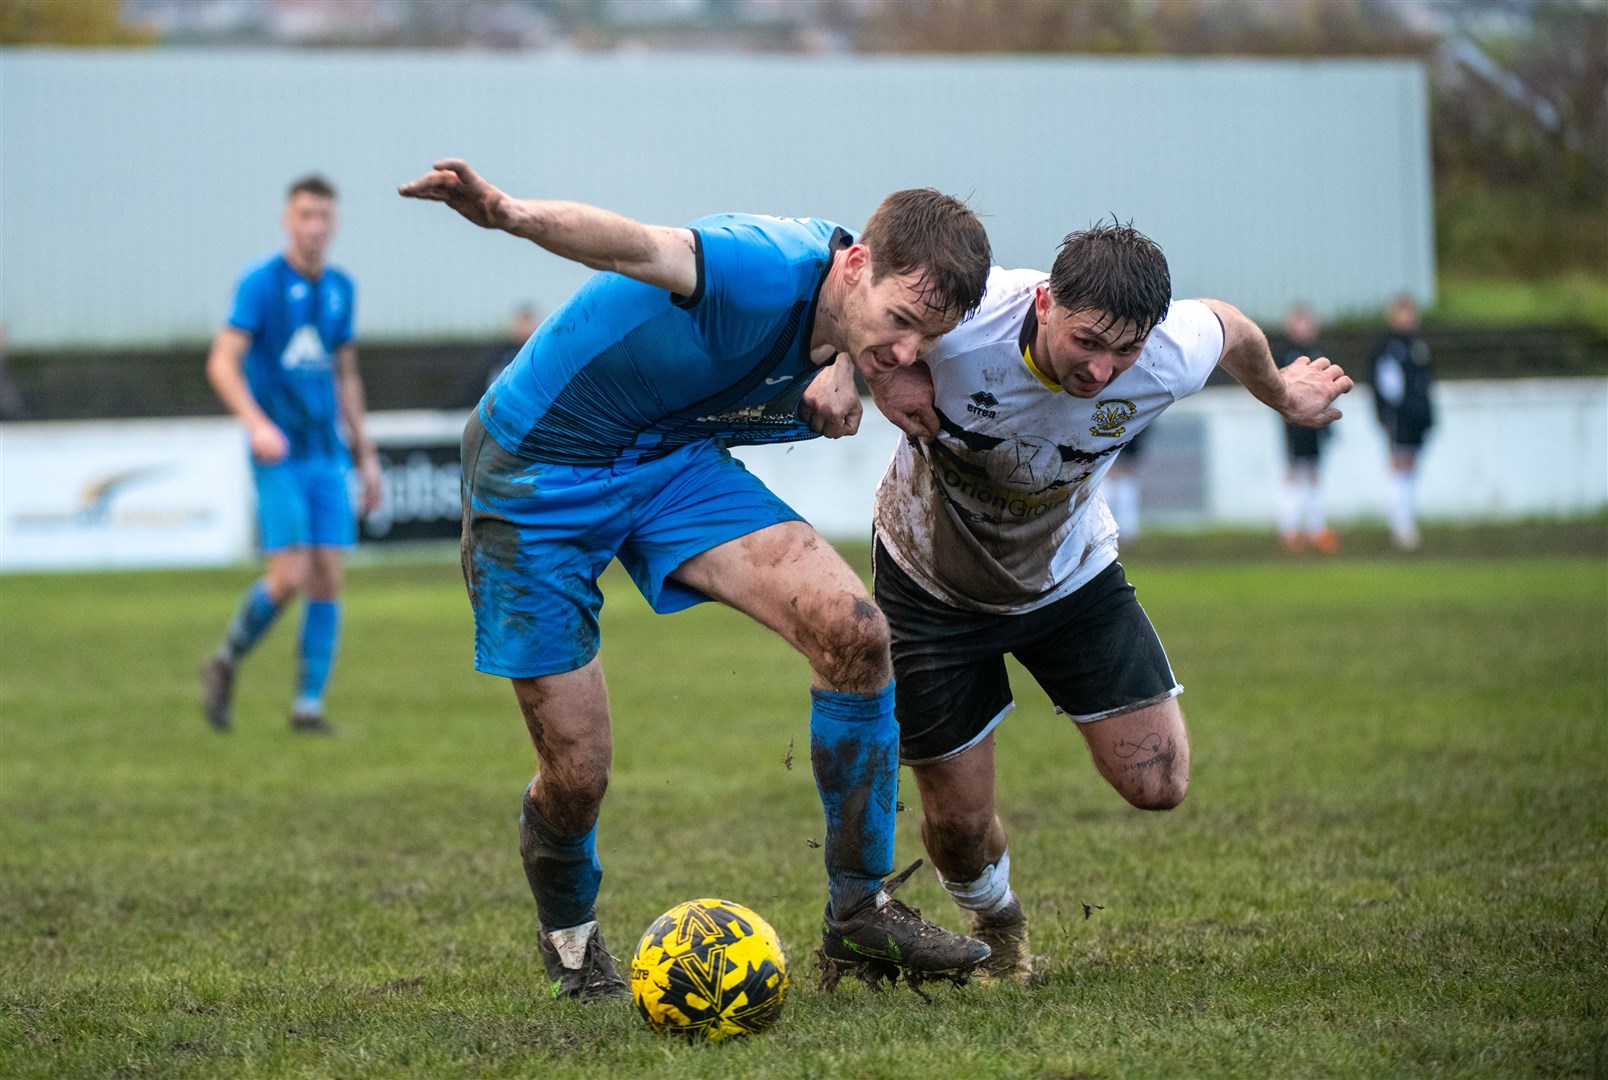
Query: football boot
{"x": 579, "y": 965}
{"x": 887, "y": 938}
{"x": 1005, "y": 934}
{"x": 217, "y": 692}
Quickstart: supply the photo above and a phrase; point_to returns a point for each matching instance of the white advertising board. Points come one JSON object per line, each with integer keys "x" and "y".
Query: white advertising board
{"x": 123, "y": 494}
{"x": 1500, "y": 450}
{"x": 179, "y": 493}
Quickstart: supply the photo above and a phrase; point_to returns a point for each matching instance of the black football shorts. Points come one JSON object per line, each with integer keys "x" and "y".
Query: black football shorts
{"x": 1094, "y": 653}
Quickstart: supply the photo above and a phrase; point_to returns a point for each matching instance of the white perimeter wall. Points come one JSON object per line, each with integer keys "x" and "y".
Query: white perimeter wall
{"x": 1501, "y": 449}
{"x": 178, "y": 492}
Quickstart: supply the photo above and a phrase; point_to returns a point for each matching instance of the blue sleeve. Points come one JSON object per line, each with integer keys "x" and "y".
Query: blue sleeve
{"x": 344, "y": 332}
{"x": 251, "y": 302}
{"x": 746, "y": 281}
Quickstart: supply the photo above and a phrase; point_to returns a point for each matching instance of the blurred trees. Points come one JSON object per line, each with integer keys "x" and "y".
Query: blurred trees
{"x": 1518, "y": 107}
{"x": 1173, "y": 27}
{"x": 1520, "y": 123}
{"x": 67, "y": 22}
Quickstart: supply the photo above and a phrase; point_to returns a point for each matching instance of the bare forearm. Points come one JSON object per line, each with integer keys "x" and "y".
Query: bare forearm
{"x": 603, "y": 240}
{"x": 1247, "y": 356}
{"x": 229, "y": 381}
{"x": 594, "y": 237}
{"x": 1302, "y": 392}
{"x": 351, "y": 399}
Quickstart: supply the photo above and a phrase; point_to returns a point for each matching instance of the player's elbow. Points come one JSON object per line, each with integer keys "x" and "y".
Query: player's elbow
{"x": 223, "y": 359}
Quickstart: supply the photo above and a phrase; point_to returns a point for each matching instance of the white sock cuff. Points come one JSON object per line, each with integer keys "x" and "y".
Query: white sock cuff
{"x": 990, "y": 892}
{"x": 570, "y": 943}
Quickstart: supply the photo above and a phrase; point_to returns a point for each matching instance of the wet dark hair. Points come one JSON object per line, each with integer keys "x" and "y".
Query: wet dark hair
{"x": 1114, "y": 268}
{"x": 923, "y": 231}
{"x": 311, "y": 184}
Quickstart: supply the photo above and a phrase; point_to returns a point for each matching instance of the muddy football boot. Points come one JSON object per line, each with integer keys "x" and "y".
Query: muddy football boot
{"x": 310, "y": 722}
{"x": 1005, "y": 934}
{"x": 217, "y": 692}
{"x": 887, "y": 938}
{"x": 579, "y": 965}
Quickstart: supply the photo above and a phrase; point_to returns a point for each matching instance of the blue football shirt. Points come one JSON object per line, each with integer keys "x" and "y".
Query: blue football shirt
{"x": 626, "y": 372}
{"x": 296, "y": 327}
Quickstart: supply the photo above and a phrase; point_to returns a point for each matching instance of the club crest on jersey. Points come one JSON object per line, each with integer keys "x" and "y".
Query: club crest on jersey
{"x": 1110, "y": 416}
{"x": 982, "y": 404}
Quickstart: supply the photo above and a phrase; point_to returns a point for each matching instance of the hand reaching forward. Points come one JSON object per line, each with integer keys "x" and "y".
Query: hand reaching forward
{"x": 453, "y": 182}
{"x": 904, "y": 395}
{"x": 1310, "y": 389}
{"x": 831, "y": 404}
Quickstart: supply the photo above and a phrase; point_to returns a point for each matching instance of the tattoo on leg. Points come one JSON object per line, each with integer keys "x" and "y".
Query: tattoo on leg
{"x": 1151, "y": 746}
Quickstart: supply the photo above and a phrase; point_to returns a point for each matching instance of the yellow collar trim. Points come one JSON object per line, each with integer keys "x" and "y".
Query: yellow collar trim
{"x": 1049, "y": 383}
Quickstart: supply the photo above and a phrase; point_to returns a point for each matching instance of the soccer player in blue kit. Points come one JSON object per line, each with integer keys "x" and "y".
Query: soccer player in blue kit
{"x": 286, "y": 367}
{"x": 606, "y": 438}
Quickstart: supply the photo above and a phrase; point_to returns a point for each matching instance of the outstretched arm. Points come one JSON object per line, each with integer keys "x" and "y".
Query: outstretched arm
{"x": 653, "y": 254}
{"x": 1303, "y": 393}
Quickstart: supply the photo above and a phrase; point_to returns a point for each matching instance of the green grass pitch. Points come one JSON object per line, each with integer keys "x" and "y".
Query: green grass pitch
{"x": 1393, "y": 860}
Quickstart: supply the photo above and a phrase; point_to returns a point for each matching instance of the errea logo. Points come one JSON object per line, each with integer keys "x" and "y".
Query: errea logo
{"x": 982, "y": 404}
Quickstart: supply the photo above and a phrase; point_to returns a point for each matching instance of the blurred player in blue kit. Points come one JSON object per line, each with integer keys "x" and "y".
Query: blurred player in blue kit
{"x": 993, "y": 538}
{"x": 606, "y": 438}
{"x": 285, "y": 365}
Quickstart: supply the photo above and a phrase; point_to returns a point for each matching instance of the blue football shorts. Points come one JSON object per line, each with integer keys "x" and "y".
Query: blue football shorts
{"x": 304, "y": 502}
{"x": 537, "y": 536}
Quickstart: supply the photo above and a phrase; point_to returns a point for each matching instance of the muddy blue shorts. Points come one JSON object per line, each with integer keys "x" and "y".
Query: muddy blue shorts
{"x": 304, "y": 502}
{"x": 537, "y": 536}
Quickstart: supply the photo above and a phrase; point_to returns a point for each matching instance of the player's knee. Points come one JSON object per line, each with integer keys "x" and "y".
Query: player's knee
{"x": 950, "y": 828}
{"x": 574, "y": 795}
{"x": 849, "y": 647}
{"x": 286, "y": 579}
{"x": 1163, "y": 798}
{"x": 1160, "y": 790}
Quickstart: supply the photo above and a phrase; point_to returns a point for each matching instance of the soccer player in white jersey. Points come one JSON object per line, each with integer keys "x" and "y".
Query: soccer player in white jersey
{"x": 993, "y": 538}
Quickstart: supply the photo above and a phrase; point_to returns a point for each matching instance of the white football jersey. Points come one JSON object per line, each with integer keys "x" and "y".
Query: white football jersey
{"x": 1002, "y": 512}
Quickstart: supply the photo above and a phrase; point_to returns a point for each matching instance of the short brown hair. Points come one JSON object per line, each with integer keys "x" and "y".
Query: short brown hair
{"x": 311, "y": 184}
{"x": 923, "y": 231}
{"x": 1114, "y": 268}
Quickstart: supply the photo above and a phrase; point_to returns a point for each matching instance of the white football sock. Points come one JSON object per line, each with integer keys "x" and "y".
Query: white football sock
{"x": 990, "y": 892}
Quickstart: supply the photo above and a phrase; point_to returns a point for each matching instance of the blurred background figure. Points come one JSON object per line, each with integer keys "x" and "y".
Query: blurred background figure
{"x": 1401, "y": 381}
{"x": 285, "y": 365}
{"x": 521, "y": 325}
{"x": 10, "y": 397}
{"x": 1302, "y": 517}
{"x": 1122, "y": 487}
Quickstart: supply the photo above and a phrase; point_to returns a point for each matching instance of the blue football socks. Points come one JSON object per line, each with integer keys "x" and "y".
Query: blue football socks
{"x": 564, "y": 871}
{"x": 854, "y": 750}
{"x": 251, "y": 621}
{"x": 321, "y": 624}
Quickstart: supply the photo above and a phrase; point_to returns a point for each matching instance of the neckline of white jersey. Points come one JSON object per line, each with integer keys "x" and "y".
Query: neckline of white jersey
{"x": 1048, "y": 383}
